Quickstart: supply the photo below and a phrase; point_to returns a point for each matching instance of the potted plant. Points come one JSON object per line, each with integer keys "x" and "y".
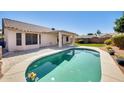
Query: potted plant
{"x": 110, "y": 50}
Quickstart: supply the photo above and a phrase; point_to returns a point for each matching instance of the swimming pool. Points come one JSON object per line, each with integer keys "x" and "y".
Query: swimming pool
{"x": 72, "y": 65}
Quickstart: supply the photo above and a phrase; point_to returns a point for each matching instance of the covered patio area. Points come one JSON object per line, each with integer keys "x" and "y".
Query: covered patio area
{"x": 63, "y": 37}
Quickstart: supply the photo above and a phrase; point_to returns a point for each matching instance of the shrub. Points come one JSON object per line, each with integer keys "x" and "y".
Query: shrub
{"x": 118, "y": 40}
{"x": 120, "y": 56}
{"x": 108, "y": 47}
{"x": 108, "y": 41}
{"x": 81, "y": 41}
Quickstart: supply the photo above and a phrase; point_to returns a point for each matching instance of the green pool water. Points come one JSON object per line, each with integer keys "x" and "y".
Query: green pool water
{"x": 73, "y": 65}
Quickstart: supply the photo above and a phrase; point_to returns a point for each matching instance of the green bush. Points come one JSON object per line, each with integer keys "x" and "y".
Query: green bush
{"x": 108, "y": 47}
{"x": 108, "y": 41}
{"x": 118, "y": 40}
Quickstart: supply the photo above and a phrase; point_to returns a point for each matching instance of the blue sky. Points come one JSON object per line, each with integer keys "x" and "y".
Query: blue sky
{"x": 79, "y": 22}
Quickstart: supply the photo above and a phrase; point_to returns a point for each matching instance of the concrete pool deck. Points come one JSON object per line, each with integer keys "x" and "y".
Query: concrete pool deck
{"x": 16, "y": 63}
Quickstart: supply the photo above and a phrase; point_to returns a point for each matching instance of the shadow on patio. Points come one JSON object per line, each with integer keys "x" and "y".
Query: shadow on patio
{"x": 32, "y": 51}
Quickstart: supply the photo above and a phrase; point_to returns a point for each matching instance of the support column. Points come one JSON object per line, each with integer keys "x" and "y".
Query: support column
{"x": 60, "y": 39}
{"x": 24, "y": 40}
{"x": 73, "y": 40}
{"x": 38, "y": 40}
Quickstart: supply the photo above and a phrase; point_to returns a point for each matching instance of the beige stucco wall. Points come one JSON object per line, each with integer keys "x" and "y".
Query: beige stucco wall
{"x": 48, "y": 39}
{"x": 11, "y": 41}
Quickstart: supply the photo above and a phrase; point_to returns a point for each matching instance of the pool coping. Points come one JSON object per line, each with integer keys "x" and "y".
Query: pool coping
{"x": 110, "y": 72}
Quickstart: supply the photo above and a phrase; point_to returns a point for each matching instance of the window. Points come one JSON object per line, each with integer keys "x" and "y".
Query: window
{"x": 67, "y": 39}
{"x": 18, "y": 39}
{"x": 31, "y": 39}
{"x": 39, "y": 39}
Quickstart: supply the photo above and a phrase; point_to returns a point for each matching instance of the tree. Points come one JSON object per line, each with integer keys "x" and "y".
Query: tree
{"x": 90, "y": 34}
{"x": 98, "y": 32}
{"x": 119, "y": 25}
{"x": 52, "y": 28}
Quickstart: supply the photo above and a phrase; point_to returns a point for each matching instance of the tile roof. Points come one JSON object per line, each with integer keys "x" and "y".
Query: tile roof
{"x": 8, "y": 23}
{"x": 22, "y": 26}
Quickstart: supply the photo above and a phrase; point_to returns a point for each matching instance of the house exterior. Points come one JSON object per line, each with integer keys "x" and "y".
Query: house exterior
{"x": 24, "y": 36}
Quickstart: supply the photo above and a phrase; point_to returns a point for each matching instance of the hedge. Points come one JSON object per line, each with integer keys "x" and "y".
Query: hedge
{"x": 108, "y": 41}
{"x": 118, "y": 40}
